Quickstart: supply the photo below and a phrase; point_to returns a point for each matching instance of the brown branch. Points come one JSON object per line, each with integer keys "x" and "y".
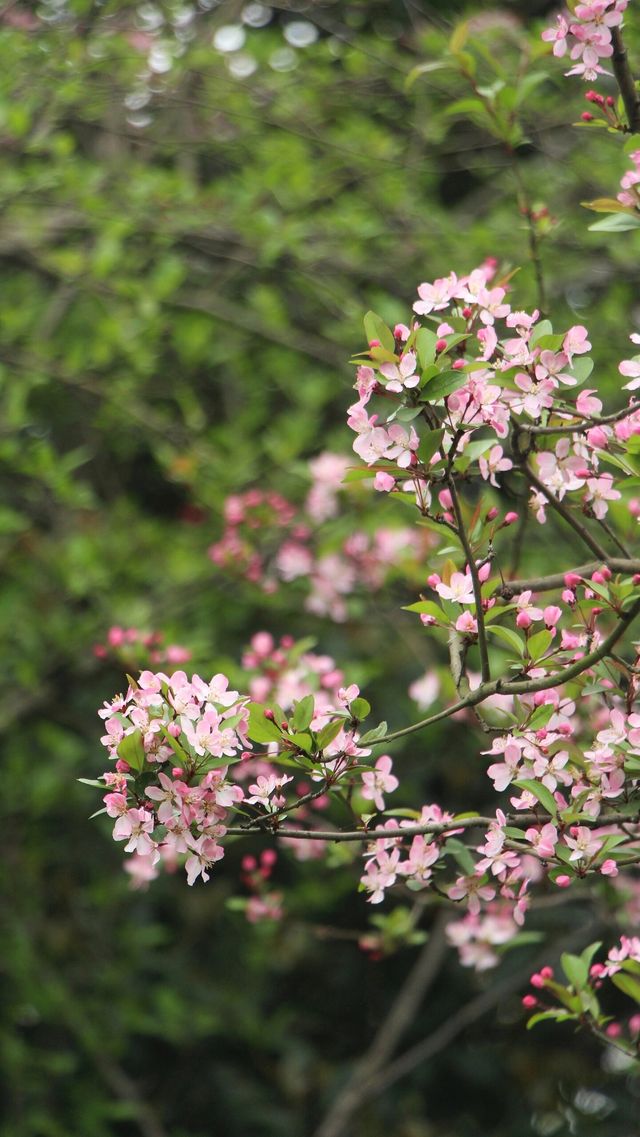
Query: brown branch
{"x": 433, "y": 828}
{"x": 477, "y": 587}
{"x": 625, "y": 81}
{"x": 455, "y": 1024}
{"x": 401, "y": 1014}
{"x": 562, "y": 511}
{"x": 512, "y": 588}
{"x": 586, "y": 423}
{"x": 524, "y": 687}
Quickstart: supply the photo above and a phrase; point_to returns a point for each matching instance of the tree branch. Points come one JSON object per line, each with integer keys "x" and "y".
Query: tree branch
{"x": 565, "y": 513}
{"x": 556, "y": 580}
{"x": 477, "y": 588}
{"x": 625, "y": 81}
{"x": 400, "y": 1016}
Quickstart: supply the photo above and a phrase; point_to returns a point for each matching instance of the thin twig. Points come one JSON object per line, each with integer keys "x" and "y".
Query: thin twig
{"x": 585, "y": 423}
{"x": 565, "y": 513}
{"x": 477, "y": 587}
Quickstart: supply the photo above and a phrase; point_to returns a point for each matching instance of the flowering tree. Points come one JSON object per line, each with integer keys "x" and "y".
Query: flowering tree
{"x": 473, "y": 415}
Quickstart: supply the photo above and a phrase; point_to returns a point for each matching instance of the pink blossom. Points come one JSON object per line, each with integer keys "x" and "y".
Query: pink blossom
{"x": 459, "y": 589}
{"x": 379, "y": 781}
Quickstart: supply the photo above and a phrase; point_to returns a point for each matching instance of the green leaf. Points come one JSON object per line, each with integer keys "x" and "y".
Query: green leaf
{"x": 508, "y": 636}
{"x": 576, "y": 970}
{"x": 581, "y": 368}
{"x": 426, "y": 347}
{"x": 556, "y": 1014}
{"x": 303, "y": 741}
{"x": 131, "y": 750}
{"x": 616, "y": 223}
{"x": 359, "y": 709}
{"x": 539, "y": 644}
{"x": 358, "y": 474}
{"x": 462, "y": 855}
{"x": 606, "y": 205}
{"x": 628, "y": 985}
{"x": 183, "y": 756}
{"x": 444, "y": 384}
{"x": 374, "y": 735}
{"x": 376, "y": 329}
{"x": 303, "y": 712}
{"x": 541, "y": 716}
{"x": 427, "y": 608}
{"x": 325, "y": 736}
{"x": 261, "y": 729}
{"x": 92, "y": 782}
{"x": 429, "y": 445}
{"x": 544, "y": 795}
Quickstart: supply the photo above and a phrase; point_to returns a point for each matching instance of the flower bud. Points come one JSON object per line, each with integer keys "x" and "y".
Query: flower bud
{"x": 122, "y": 767}
{"x": 268, "y": 714}
{"x": 458, "y": 364}
{"x": 467, "y": 312}
{"x": 529, "y": 1001}
{"x": 510, "y": 518}
{"x": 176, "y": 772}
{"x": 563, "y": 881}
{"x": 568, "y": 597}
{"x": 441, "y": 345}
{"x": 571, "y": 579}
{"x": 492, "y": 514}
{"x": 586, "y": 117}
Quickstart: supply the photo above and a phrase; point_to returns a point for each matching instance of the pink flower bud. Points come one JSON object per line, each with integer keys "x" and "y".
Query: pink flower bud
{"x": 427, "y": 620}
{"x": 597, "y": 437}
{"x": 568, "y": 597}
{"x": 248, "y": 863}
{"x": 605, "y": 571}
{"x": 467, "y": 312}
{"x": 484, "y": 573}
{"x": 122, "y": 767}
{"x": 434, "y": 580}
{"x": 586, "y": 117}
{"x": 287, "y": 642}
{"x": 441, "y": 345}
{"x": 597, "y": 578}
{"x": 537, "y": 980}
{"x": 268, "y": 714}
{"x": 551, "y": 615}
{"x": 594, "y": 97}
{"x": 510, "y": 518}
{"x": 609, "y": 867}
{"x": 375, "y": 343}
{"x": 458, "y": 364}
{"x": 563, "y": 881}
{"x": 445, "y": 499}
{"x": 546, "y": 972}
{"x": 596, "y": 970}
{"x": 634, "y": 507}
{"x": 610, "y": 101}
{"x": 523, "y": 620}
{"x": 492, "y": 514}
{"x": 176, "y": 772}
{"x": 614, "y": 1030}
{"x": 572, "y": 580}
{"x": 529, "y": 1001}
{"x": 246, "y": 755}
{"x": 583, "y": 472}
{"x": 635, "y": 579}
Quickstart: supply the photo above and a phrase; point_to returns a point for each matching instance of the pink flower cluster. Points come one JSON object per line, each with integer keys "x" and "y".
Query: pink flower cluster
{"x": 482, "y": 382}
{"x": 199, "y": 727}
{"x": 585, "y": 33}
{"x": 126, "y": 644}
{"x": 363, "y": 560}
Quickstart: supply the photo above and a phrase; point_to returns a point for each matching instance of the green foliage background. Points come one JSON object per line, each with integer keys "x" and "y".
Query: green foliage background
{"x": 186, "y": 258}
